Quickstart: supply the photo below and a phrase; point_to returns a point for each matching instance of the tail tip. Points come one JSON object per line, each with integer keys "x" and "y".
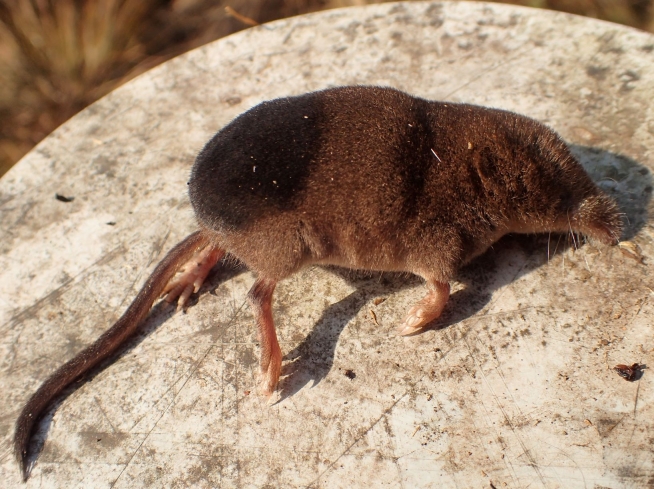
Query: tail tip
{"x": 23, "y": 466}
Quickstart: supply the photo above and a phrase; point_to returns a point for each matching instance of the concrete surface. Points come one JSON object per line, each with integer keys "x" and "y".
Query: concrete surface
{"x": 512, "y": 388}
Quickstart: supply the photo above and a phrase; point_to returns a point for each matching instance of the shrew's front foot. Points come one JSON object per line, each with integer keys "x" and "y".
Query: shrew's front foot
{"x": 429, "y": 308}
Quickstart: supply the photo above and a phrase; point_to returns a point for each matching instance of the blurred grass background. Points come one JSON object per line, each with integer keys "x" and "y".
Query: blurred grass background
{"x": 58, "y": 56}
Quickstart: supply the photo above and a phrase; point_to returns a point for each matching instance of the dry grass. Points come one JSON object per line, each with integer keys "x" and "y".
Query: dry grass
{"x": 58, "y": 56}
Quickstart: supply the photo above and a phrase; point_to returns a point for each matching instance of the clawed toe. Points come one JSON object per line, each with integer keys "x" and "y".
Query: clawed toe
{"x": 181, "y": 292}
{"x": 271, "y": 369}
{"x": 193, "y": 275}
{"x": 414, "y": 322}
{"x": 425, "y": 311}
{"x": 268, "y": 383}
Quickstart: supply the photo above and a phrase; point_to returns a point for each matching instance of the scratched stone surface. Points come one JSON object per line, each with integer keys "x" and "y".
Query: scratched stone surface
{"x": 512, "y": 387}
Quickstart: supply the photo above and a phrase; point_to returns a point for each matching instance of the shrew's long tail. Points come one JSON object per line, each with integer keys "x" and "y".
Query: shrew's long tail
{"x": 104, "y": 346}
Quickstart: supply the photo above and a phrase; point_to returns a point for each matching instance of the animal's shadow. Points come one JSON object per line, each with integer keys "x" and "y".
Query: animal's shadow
{"x": 624, "y": 179}
{"x": 313, "y": 358}
{"x": 627, "y": 181}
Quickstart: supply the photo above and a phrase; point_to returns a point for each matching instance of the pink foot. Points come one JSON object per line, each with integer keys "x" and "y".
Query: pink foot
{"x": 429, "y": 308}
{"x": 193, "y": 275}
{"x": 260, "y": 297}
{"x": 269, "y": 376}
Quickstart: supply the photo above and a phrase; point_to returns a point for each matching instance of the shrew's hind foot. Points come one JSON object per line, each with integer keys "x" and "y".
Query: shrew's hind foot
{"x": 192, "y": 276}
{"x": 429, "y": 308}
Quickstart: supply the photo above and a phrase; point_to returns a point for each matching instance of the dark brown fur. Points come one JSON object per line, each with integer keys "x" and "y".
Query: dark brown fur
{"x": 367, "y": 178}
{"x": 374, "y": 178}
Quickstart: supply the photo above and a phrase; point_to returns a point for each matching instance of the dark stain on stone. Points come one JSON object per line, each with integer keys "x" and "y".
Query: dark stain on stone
{"x": 606, "y": 425}
{"x": 628, "y": 78}
{"x": 351, "y": 30}
{"x": 398, "y": 8}
{"x": 104, "y": 166}
{"x": 609, "y": 44}
{"x": 597, "y": 72}
{"x": 247, "y": 358}
{"x": 102, "y": 441}
{"x": 63, "y": 198}
{"x": 231, "y": 101}
{"x": 370, "y": 28}
{"x": 435, "y": 15}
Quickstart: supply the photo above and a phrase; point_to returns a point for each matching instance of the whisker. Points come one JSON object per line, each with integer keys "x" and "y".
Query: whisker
{"x": 572, "y": 233}
{"x": 557, "y": 244}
